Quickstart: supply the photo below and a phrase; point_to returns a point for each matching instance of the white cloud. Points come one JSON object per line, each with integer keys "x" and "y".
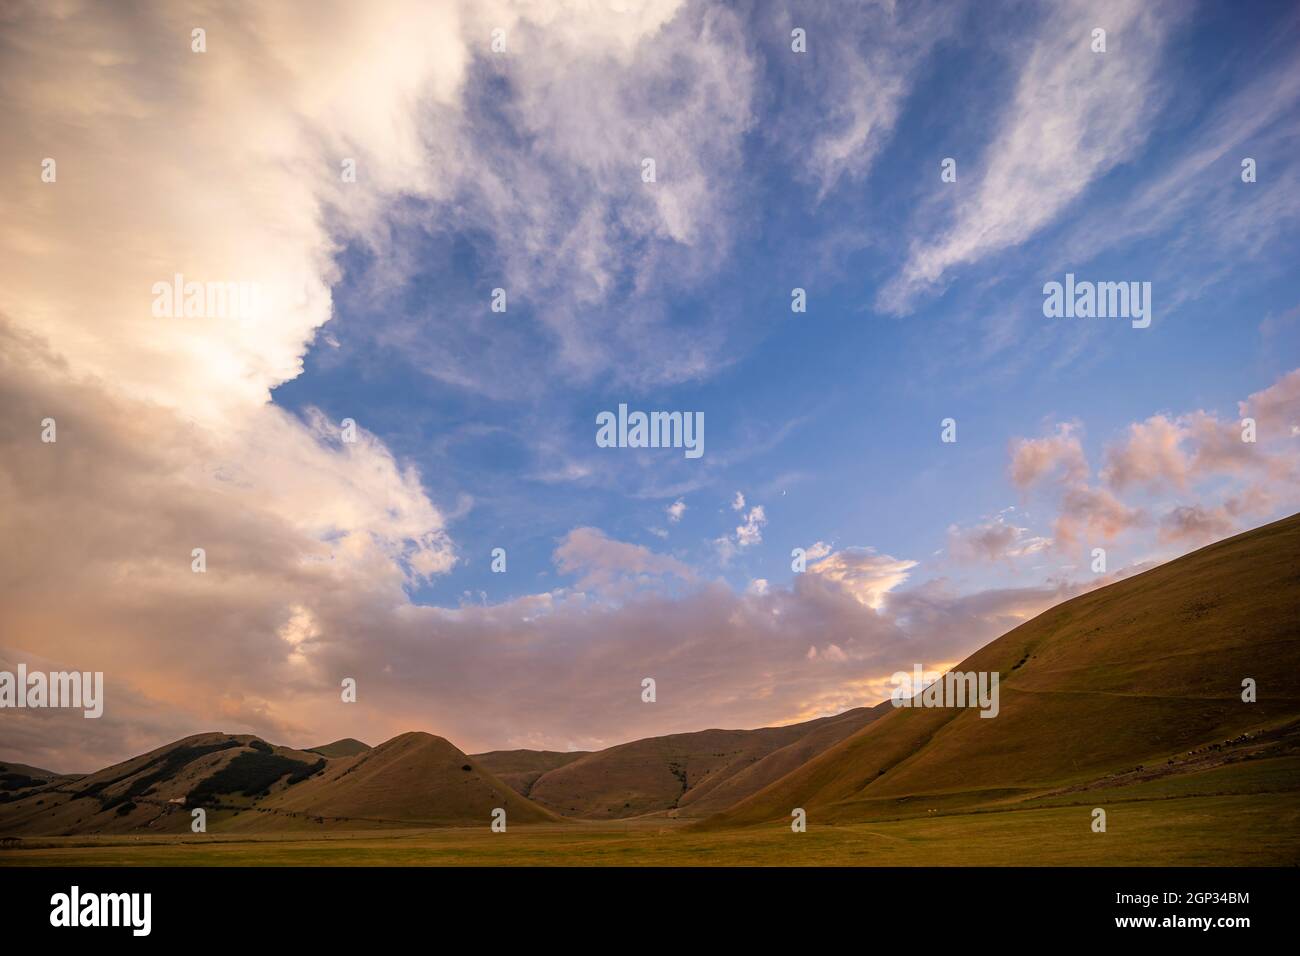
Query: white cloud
{"x": 751, "y": 532}
{"x": 862, "y": 573}
{"x": 859, "y": 68}
{"x": 1073, "y": 117}
{"x": 816, "y": 551}
{"x": 614, "y": 568}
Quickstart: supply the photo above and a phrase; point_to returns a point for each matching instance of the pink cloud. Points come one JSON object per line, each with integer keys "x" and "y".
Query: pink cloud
{"x": 1088, "y": 513}
{"x": 994, "y": 540}
{"x": 1149, "y": 456}
{"x": 1036, "y": 459}
{"x": 611, "y": 567}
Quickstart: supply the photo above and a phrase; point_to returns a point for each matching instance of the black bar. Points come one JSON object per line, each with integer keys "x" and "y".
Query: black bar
{"x": 195, "y": 906}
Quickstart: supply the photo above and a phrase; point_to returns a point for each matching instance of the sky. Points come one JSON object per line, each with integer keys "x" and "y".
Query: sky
{"x": 503, "y": 146}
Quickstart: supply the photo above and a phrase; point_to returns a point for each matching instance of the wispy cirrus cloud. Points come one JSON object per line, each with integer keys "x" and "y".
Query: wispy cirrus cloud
{"x": 862, "y": 67}
{"x": 1074, "y": 116}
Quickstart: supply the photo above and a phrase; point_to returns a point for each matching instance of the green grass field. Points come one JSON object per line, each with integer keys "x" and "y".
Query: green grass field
{"x": 1256, "y": 829}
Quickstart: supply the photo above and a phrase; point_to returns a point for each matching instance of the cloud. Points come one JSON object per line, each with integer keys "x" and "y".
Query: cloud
{"x": 751, "y": 532}
{"x": 676, "y": 510}
{"x": 1150, "y": 455}
{"x": 862, "y": 573}
{"x": 1074, "y": 116}
{"x": 1198, "y": 524}
{"x": 312, "y": 544}
{"x": 1228, "y": 225}
{"x": 295, "y": 526}
{"x": 613, "y": 568}
{"x": 1056, "y": 456}
{"x": 1089, "y": 513}
{"x": 1277, "y": 407}
{"x": 818, "y": 550}
{"x": 993, "y": 540}
{"x": 554, "y": 180}
{"x": 1173, "y": 454}
{"x": 1195, "y": 456}
{"x": 860, "y": 68}
{"x": 746, "y": 535}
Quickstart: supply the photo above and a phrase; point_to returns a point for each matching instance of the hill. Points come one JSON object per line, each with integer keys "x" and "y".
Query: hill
{"x": 520, "y": 769}
{"x": 246, "y": 784}
{"x": 1129, "y": 683}
{"x": 155, "y": 790}
{"x": 19, "y": 779}
{"x": 347, "y": 747}
{"x": 415, "y": 779}
{"x": 690, "y": 774}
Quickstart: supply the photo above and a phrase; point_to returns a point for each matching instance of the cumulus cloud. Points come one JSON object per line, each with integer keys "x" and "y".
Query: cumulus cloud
{"x": 1278, "y": 406}
{"x": 1198, "y": 524}
{"x": 310, "y": 541}
{"x": 676, "y": 510}
{"x": 611, "y": 567}
{"x": 1218, "y": 480}
{"x": 993, "y": 540}
{"x": 751, "y": 532}
{"x": 1090, "y": 513}
{"x": 746, "y": 535}
{"x": 1054, "y": 456}
{"x": 862, "y": 573}
{"x": 1149, "y": 455}
{"x": 1173, "y": 454}
{"x": 98, "y": 574}
{"x": 817, "y": 550}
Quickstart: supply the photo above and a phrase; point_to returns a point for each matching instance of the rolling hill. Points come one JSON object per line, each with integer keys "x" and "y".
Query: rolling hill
{"x": 520, "y": 769}
{"x": 246, "y": 784}
{"x": 684, "y": 774}
{"x": 19, "y": 779}
{"x": 415, "y": 779}
{"x": 1133, "y": 682}
{"x": 154, "y": 790}
{"x": 347, "y": 747}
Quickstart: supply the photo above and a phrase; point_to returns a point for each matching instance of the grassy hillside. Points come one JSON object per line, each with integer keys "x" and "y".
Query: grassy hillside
{"x": 1196, "y": 823}
{"x": 413, "y": 779}
{"x": 520, "y": 769}
{"x": 686, "y": 774}
{"x": 155, "y": 791}
{"x": 347, "y": 747}
{"x": 1140, "y": 679}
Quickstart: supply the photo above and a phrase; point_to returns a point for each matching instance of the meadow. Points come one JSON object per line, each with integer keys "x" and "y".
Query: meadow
{"x": 1257, "y": 829}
